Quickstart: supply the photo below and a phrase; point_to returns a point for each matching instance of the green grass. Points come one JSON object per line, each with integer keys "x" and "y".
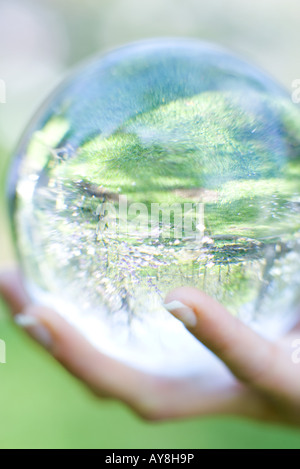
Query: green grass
{"x": 204, "y": 141}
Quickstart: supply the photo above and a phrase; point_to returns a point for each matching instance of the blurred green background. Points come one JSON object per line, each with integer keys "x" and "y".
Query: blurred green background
{"x": 40, "y": 405}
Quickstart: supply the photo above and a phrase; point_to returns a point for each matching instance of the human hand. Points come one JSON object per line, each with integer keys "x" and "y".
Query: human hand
{"x": 262, "y": 381}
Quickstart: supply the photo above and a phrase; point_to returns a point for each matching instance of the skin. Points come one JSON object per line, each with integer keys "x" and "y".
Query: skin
{"x": 262, "y": 382}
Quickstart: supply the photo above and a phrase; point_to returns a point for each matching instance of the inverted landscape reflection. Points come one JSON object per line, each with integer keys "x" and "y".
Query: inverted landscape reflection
{"x": 164, "y": 163}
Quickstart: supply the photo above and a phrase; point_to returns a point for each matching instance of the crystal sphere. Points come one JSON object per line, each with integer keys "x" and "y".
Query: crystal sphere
{"x": 162, "y": 164}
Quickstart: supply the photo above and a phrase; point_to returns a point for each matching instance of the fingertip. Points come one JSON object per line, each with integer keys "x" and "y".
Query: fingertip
{"x": 44, "y": 325}
{"x": 184, "y": 299}
{"x": 182, "y": 312}
{"x": 32, "y": 324}
{"x": 48, "y": 327}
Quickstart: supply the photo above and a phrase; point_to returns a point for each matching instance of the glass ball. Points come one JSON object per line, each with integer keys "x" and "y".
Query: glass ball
{"x": 162, "y": 164}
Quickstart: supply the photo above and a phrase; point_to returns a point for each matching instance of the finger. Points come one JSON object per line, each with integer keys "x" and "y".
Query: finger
{"x": 75, "y": 353}
{"x": 12, "y": 291}
{"x": 153, "y": 397}
{"x": 250, "y": 357}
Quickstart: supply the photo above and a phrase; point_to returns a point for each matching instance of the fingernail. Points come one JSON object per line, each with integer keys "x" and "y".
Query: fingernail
{"x": 36, "y": 329}
{"x": 182, "y": 312}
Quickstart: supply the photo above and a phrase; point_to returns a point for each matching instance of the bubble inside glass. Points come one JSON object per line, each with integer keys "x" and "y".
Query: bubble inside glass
{"x": 162, "y": 164}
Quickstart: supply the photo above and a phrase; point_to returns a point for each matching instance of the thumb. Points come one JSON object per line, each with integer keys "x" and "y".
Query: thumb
{"x": 245, "y": 353}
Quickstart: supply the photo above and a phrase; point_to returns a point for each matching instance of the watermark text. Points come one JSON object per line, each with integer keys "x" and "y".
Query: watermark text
{"x": 155, "y": 220}
{"x": 2, "y": 92}
{"x": 2, "y": 352}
